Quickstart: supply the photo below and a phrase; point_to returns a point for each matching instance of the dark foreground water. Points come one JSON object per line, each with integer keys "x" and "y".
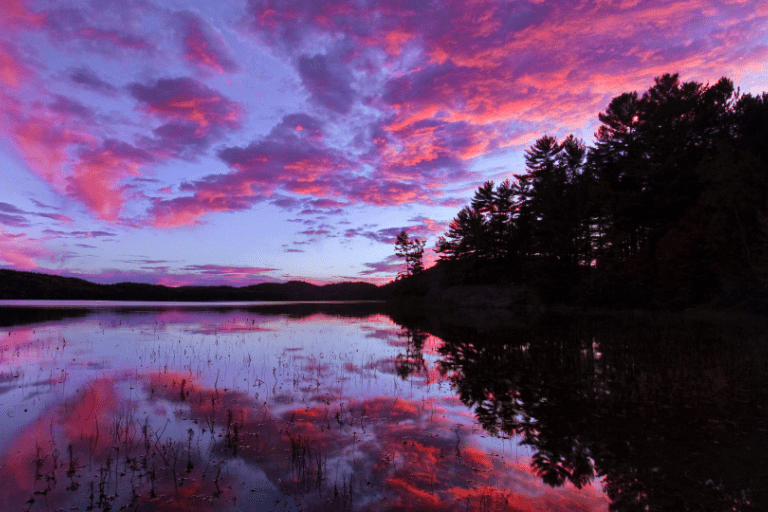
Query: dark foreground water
{"x": 343, "y": 407}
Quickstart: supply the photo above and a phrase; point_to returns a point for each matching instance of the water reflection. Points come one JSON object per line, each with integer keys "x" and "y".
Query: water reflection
{"x": 342, "y": 408}
{"x": 21, "y": 315}
{"x": 669, "y": 414}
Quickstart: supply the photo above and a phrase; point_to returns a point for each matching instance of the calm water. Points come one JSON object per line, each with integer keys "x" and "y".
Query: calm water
{"x": 111, "y": 406}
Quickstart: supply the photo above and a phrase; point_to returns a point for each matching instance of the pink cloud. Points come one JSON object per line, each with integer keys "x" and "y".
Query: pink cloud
{"x": 453, "y": 202}
{"x": 13, "y": 70}
{"x": 15, "y": 221}
{"x": 207, "y": 198}
{"x": 419, "y": 148}
{"x": 203, "y": 47}
{"x": 12, "y": 216}
{"x": 388, "y": 192}
{"x": 59, "y": 143}
{"x": 294, "y": 158}
{"x": 193, "y": 116}
{"x": 20, "y": 252}
{"x": 56, "y": 216}
{"x": 43, "y": 139}
{"x": 15, "y": 14}
{"x": 97, "y": 175}
{"x": 324, "y": 203}
{"x": 426, "y": 227}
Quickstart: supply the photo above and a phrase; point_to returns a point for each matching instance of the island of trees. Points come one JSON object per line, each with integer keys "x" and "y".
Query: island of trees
{"x": 667, "y": 209}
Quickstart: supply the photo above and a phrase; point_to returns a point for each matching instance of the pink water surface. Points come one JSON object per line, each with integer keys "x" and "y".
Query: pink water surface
{"x": 195, "y": 408}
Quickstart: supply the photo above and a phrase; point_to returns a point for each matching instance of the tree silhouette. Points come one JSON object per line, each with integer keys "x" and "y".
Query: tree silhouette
{"x": 669, "y": 206}
{"x": 412, "y": 361}
{"x": 549, "y": 201}
{"x": 412, "y": 252}
{"x": 466, "y": 236}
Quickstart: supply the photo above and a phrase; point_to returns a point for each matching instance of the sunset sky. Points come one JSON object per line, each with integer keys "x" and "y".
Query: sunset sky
{"x": 266, "y": 140}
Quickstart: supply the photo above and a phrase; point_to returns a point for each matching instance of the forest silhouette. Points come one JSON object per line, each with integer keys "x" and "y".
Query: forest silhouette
{"x": 667, "y": 209}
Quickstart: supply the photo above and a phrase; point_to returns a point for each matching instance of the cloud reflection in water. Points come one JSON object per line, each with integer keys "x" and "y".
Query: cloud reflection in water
{"x": 246, "y": 410}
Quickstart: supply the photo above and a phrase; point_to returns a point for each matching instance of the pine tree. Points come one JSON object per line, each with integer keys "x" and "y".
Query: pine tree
{"x": 412, "y": 251}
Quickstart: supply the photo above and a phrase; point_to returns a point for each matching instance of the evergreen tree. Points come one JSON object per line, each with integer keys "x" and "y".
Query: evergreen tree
{"x": 548, "y": 201}
{"x": 496, "y": 205}
{"x": 646, "y": 156}
{"x": 412, "y": 252}
{"x": 465, "y": 237}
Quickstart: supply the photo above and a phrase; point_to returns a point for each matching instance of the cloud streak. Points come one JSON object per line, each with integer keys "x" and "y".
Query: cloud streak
{"x": 15, "y": 217}
{"x": 204, "y": 47}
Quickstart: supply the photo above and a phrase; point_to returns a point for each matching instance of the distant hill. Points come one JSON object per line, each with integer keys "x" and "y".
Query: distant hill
{"x": 15, "y": 285}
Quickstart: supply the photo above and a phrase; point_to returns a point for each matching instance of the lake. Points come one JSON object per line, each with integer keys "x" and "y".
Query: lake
{"x": 329, "y": 406}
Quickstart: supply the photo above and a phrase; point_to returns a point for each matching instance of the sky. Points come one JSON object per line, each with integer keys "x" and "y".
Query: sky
{"x": 240, "y": 142}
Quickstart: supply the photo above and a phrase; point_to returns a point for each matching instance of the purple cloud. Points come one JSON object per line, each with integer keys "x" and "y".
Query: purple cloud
{"x": 15, "y": 217}
{"x": 291, "y": 158}
{"x": 226, "y": 270}
{"x": 15, "y": 221}
{"x": 79, "y": 234}
{"x": 9, "y": 208}
{"x": 69, "y": 108}
{"x": 92, "y": 30}
{"x": 423, "y": 228}
{"x": 90, "y": 80}
{"x": 390, "y": 265}
{"x": 194, "y": 114}
{"x": 186, "y": 99}
{"x": 328, "y": 81}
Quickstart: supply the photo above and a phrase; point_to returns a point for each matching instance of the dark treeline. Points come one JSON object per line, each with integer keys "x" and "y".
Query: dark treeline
{"x": 15, "y": 285}
{"x": 668, "y": 208}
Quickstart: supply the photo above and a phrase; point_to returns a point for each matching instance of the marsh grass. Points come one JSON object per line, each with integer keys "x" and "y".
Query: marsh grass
{"x": 138, "y": 467}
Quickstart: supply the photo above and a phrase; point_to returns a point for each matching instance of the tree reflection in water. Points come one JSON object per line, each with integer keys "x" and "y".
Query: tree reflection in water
{"x": 412, "y": 361}
{"x": 668, "y": 413}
